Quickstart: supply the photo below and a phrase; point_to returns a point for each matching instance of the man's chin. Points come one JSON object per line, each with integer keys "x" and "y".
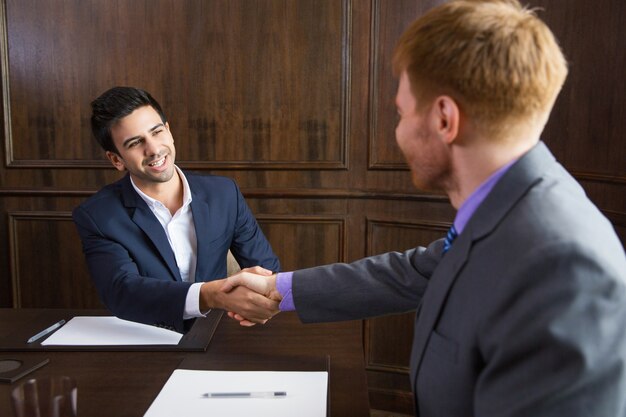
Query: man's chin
{"x": 161, "y": 177}
{"x": 422, "y": 184}
{"x": 165, "y": 176}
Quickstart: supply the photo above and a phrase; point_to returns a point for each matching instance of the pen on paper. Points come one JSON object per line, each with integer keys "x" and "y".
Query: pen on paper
{"x": 46, "y": 331}
{"x": 253, "y": 394}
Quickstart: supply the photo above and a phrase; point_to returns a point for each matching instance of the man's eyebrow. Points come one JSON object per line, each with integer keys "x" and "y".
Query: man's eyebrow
{"x": 156, "y": 127}
{"x": 152, "y": 129}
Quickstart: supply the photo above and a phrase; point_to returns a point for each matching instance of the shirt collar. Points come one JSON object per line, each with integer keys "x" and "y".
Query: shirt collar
{"x": 153, "y": 203}
{"x": 470, "y": 205}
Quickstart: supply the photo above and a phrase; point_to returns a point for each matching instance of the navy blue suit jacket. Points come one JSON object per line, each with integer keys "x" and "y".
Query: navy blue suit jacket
{"x": 133, "y": 265}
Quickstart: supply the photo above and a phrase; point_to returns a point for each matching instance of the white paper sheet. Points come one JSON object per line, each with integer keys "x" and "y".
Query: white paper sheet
{"x": 182, "y": 394}
{"x": 110, "y": 331}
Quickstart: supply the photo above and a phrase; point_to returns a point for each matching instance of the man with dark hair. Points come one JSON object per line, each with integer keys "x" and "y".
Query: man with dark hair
{"x": 115, "y": 104}
{"x": 521, "y": 310}
{"x": 157, "y": 240}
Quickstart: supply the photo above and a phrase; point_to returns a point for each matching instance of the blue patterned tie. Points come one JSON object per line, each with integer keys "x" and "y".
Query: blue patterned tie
{"x": 452, "y": 234}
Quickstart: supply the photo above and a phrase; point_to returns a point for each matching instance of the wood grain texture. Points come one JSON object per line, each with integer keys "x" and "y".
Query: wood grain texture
{"x": 291, "y": 98}
{"x": 48, "y": 269}
{"x": 124, "y": 384}
{"x": 240, "y": 98}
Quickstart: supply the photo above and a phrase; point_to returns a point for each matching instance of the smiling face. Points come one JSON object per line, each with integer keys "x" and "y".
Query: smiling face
{"x": 416, "y": 134}
{"x": 146, "y": 148}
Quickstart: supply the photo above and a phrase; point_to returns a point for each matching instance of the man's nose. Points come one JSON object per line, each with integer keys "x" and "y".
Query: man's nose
{"x": 152, "y": 147}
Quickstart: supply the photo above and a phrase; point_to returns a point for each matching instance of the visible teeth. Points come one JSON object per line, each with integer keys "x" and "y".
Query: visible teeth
{"x": 158, "y": 163}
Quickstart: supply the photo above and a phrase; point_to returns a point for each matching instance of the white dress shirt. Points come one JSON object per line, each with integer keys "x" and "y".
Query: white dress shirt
{"x": 181, "y": 234}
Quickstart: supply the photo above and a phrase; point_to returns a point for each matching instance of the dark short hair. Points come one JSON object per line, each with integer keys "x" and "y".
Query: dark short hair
{"x": 115, "y": 104}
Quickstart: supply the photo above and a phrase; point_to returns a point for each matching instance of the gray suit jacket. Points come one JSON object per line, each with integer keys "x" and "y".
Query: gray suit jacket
{"x": 524, "y": 316}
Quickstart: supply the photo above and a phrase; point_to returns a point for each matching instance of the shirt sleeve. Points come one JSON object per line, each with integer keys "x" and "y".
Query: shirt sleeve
{"x": 283, "y": 285}
{"x": 192, "y": 302}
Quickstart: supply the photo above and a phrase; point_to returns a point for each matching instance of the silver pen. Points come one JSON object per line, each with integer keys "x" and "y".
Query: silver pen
{"x": 252, "y": 394}
{"x": 46, "y": 331}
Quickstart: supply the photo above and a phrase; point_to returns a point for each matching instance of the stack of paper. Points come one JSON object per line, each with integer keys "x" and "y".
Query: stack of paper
{"x": 184, "y": 394}
{"x": 110, "y": 331}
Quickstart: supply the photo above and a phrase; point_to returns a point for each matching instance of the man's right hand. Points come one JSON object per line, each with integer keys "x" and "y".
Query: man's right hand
{"x": 256, "y": 279}
{"x": 252, "y": 304}
{"x": 261, "y": 283}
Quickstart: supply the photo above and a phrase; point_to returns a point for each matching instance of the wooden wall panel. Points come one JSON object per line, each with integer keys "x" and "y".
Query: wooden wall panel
{"x": 305, "y": 241}
{"x": 389, "y": 19}
{"x": 388, "y": 363}
{"x": 585, "y": 128}
{"x": 48, "y": 269}
{"x": 240, "y": 98}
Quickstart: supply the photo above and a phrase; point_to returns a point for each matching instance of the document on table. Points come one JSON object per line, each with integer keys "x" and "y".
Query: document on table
{"x": 109, "y": 331}
{"x": 182, "y": 394}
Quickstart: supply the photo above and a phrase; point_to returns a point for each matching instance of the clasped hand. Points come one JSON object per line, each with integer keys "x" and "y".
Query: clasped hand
{"x": 250, "y": 296}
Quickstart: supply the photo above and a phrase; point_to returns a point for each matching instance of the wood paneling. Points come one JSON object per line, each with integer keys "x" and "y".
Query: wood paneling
{"x": 291, "y": 98}
{"x": 389, "y": 19}
{"x": 388, "y": 363}
{"x": 323, "y": 239}
{"x": 47, "y": 268}
{"x": 584, "y": 130}
{"x": 243, "y": 98}
{"x": 585, "y": 127}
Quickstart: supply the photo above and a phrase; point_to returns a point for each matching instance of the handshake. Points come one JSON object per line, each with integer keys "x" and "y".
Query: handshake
{"x": 249, "y": 296}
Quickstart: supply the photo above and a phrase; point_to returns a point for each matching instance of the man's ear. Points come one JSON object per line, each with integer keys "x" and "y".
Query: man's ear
{"x": 116, "y": 160}
{"x": 446, "y": 118}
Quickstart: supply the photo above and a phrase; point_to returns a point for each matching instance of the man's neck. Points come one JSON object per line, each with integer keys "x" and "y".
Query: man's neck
{"x": 474, "y": 163}
{"x": 169, "y": 193}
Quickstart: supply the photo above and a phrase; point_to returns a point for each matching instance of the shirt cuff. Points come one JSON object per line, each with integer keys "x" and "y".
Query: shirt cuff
{"x": 192, "y": 302}
{"x": 283, "y": 285}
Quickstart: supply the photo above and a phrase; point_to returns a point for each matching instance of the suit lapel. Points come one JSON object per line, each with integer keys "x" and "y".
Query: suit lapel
{"x": 435, "y": 296}
{"x": 200, "y": 211}
{"x": 145, "y": 219}
{"x": 512, "y": 187}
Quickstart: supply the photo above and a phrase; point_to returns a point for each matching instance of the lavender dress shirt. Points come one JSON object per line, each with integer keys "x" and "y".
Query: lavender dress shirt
{"x": 284, "y": 279}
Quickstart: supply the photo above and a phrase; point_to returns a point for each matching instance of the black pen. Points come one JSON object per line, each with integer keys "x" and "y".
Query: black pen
{"x": 46, "y": 331}
{"x": 255, "y": 394}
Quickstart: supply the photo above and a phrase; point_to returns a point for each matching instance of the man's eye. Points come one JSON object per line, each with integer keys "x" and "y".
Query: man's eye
{"x": 156, "y": 132}
{"x": 133, "y": 144}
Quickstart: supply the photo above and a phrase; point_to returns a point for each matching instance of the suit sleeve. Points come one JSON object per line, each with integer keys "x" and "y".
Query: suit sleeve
{"x": 554, "y": 343}
{"x": 122, "y": 289}
{"x": 384, "y": 284}
{"x": 250, "y": 246}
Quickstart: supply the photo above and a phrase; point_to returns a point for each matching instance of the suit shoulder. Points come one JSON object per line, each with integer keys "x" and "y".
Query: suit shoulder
{"x": 106, "y": 197}
{"x": 209, "y": 184}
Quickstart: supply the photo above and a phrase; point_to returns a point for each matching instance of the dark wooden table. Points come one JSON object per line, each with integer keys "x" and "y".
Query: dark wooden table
{"x": 125, "y": 383}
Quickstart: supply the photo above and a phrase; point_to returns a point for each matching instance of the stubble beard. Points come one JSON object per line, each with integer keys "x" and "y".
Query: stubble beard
{"x": 431, "y": 169}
